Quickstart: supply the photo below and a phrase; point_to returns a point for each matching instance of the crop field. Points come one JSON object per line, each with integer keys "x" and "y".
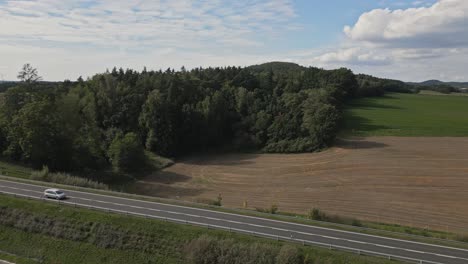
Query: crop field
{"x": 413, "y": 181}
{"x": 407, "y": 115}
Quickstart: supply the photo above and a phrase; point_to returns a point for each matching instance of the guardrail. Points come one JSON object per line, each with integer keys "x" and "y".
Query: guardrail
{"x": 237, "y": 230}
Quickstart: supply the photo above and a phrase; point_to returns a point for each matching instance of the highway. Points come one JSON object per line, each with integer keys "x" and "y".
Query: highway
{"x": 274, "y": 229}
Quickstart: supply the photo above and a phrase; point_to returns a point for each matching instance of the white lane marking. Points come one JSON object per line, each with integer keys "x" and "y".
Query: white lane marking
{"x": 240, "y": 223}
{"x": 242, "y": 230}
{"x": 252, "y": 217}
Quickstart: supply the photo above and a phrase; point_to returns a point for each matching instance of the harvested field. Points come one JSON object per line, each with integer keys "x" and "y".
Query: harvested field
{"x": 406, "y": 180}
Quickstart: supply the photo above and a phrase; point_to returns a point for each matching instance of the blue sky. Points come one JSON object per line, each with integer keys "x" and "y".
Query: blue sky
{"x": 412, "y": 40}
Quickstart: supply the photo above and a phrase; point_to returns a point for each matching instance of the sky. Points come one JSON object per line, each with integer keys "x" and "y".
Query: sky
{"x": 410, "y": 40}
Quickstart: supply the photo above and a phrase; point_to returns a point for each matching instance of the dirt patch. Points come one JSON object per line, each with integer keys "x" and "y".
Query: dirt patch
{"x": 412, "y": 181}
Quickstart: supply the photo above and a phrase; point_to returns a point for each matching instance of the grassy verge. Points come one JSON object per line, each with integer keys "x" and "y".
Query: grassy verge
{"x": 12, "y": 170}
{"x": 371, "y": 228}
{"x": 15, "y": 259}
{"x": 60, "y": 234}
{"x": 119, "y": 182}
{"x": 384, "y": 229}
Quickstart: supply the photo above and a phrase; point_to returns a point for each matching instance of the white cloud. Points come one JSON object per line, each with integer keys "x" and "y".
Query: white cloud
{"x": 65, "y": 39}
{"x": 144, "y": 22}
{"x": 354, "y": 56}
{"x": 115, "y": 29}
{"x": 410, "y": 44}
{"x": 443, "y": 24}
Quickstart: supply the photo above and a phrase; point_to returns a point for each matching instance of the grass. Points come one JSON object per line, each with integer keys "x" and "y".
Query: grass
{"x": 372, "y": 228}
{"x": 158, "y": 162}
{"x": 382, "y": 229}
{"x": 13, "y": 170}
{"x": 15, "y": 259}
{"x": 61, "y": 234}
{"x": 428, "y": 92}
{"x": 407, "y": 115}
{"x": 65, "y": 178}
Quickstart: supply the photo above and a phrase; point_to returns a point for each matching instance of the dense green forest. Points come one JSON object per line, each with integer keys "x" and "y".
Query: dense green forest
{"x": 373, "y": 86}
{"x": 109, "y": 119}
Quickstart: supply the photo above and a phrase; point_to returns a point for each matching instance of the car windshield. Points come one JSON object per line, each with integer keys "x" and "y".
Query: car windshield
{"x": 59, "y": 192}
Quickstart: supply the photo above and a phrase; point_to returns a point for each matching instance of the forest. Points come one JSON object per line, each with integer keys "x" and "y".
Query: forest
{"x": 112, "y": 118}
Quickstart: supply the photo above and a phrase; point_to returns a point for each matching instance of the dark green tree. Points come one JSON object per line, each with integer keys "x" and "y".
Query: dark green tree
{"x": 28, "y": 74}
{"x": 127, "y": 154}
{"x": 35, "y": 135}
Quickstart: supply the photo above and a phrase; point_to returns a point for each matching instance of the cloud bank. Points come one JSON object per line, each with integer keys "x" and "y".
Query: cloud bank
{"x": 406, "y": 40}
{"x": 419, "y": 43}
{"x": 136, "y": 33}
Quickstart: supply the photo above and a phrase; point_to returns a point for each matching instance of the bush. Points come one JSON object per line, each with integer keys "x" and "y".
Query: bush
{"x": 272, "y": 210}
{"x": 219, "y": 200}
{"x": 207, "y": 250}
{"x": 64, "y": 178}
{"x": 289, "y": 255}
{"x": 203, "y": 250}
{"x": 207, "y": 201}
{"x": 316, "y": 214}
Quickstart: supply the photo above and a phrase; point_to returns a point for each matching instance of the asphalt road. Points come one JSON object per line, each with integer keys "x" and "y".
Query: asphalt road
{"x": 336, "y": 239}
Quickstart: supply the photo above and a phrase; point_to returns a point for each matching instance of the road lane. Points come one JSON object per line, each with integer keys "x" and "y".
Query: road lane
{"x": 245, "y": 224}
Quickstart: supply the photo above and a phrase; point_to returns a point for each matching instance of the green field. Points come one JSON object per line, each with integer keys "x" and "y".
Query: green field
{"x": 53, "y": 233}
{"x": 407, "y": 115}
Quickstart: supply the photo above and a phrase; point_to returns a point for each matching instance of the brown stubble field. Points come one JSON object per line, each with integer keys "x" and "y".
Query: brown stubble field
{"x": 406, "y": 180}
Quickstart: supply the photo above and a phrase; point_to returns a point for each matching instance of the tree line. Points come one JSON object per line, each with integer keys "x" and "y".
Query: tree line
{"x": 109, "y": 119}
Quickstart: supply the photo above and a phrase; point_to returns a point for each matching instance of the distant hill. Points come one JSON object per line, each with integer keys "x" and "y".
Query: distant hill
{"x": 374, "y": 86}
{"x": 437, "y": 83}
{"x": 276, "y": 66}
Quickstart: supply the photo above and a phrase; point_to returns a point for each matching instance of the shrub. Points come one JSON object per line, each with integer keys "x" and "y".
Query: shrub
{"x": 272, "y": 210}
{"x": 207, "y": 250}
{"x": 202, "y": 250}
{"x": 316, "y": 214}
{"x": 289, "y": 255}
{"x": 217, "y": 202}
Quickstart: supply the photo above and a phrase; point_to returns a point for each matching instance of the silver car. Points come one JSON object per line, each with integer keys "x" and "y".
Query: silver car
{"x": 55, "y": 194}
